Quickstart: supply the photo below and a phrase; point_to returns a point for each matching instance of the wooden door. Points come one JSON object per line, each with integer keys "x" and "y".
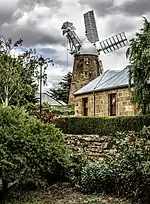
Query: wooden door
{"x": 85, "y": 106}
{"x": 112, "y": 104}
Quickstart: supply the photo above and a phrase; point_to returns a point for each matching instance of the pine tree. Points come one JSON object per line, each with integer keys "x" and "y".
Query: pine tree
{"x": 62, "y": 93}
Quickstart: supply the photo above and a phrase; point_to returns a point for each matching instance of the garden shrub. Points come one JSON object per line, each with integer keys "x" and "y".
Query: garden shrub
{"x": 96, "y": 178}
{"x": 126, "y": 175}
{"x": 47, "y": 109}
{"x": 77, "y": 162}
{"x": 29, "y": 150}
{"x": 101, "y": 125}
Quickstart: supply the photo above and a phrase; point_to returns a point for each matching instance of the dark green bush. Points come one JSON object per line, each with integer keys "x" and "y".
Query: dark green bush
{"x": 78, "y": 161}
{"x": 101, "y": 125}
{"x": 96, "y": 178}
{"x": 29, "y": 150}
{"x": 128, "y": 174}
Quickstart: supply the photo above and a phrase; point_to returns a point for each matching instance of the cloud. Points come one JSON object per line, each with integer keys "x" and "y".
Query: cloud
{"x": 38, "y": 23}
{"x": 120, "y": 23}
{"x": 102, "y": 7}
{"x": 29, "y": 4}
{"x": 134, "y": 7}
{"x": 32, "y": 21}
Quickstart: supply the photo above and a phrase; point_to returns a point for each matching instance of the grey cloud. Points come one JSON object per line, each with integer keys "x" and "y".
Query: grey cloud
{"x": 101, "y": 7}
{"x": 119, "y": 23}
{"x": 31, "y": 32}
{"x": 6, "y": 13}
{"x": 134, "y": 7}
{"x": 63, "y": 62}
{"x": 29, "y": 4}
{"x": 121, "y": 52}
{"x": 53, "y": 54}
{"x": 5, "y": 17}
{"x": 32, "y": 36}
{"x": 47, "y": 51}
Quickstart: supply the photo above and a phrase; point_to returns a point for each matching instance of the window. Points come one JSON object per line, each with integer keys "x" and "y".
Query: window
{"x": 86, "y": 75}
{"x": 85, "y": 106}
{"x": 112, "y": 104}
{"x": 86, "y": 60}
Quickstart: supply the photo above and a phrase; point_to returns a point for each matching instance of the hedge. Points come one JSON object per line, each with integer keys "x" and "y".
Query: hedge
{"x": 101, "y": 125}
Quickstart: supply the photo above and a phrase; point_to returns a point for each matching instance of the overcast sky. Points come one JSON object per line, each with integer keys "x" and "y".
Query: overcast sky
{"x": 38, "y": 23}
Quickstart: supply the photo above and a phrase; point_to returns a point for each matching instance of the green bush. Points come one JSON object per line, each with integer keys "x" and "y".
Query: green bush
{"x": 96, "y": 178}
{"x": 47, "y": 109}
{"x": 101, "y": 125}
{"x": 129, "y": 174}
{"x": 29, "y": 150}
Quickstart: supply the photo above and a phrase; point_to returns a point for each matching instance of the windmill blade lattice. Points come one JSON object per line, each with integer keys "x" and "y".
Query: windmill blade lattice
{"x": 113, "y": 43}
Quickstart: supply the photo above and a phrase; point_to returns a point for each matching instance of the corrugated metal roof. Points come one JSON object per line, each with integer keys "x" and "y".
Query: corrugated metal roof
{"x": 47, "y": 99}
{"x": 108, "y": 80}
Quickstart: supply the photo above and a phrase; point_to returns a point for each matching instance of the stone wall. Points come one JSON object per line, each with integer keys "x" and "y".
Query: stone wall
{"x": 86, "y": 68}
{"x": 124, "y": 106}
{"x": 94, "y": 147}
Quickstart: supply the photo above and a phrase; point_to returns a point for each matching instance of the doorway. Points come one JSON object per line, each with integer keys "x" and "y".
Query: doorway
{"x": 85, "y": 106}
{"x": 112, "y": 102}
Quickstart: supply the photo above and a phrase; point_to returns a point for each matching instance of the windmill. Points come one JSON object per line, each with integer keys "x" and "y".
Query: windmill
{"x": 87, "y": 65}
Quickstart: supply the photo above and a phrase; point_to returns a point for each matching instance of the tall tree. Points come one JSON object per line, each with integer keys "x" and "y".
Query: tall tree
{"x": 62, "y": 92}
{"x": 139, "y": 74}
{"x": 19, "y": 74}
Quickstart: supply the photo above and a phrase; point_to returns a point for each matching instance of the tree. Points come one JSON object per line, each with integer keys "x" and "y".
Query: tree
{"x": 30, "y": 151}
{"x": 62, "y": 93}
{"x": 139, "y": 72}
{"x": 19, "y": 74}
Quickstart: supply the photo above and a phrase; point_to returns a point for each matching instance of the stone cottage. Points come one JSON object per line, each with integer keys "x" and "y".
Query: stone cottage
{"x": 106, "y": 95}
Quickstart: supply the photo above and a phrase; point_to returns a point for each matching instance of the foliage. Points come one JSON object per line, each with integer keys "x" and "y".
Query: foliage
{"x": 49, "y": 112}
{"x": 78, "y": 161}
{"x": 30, "y": 151}
{"x": 96, "y": 178}
{"x": 139, "y": 56}
{"x": 101, "y": 125}
{"x": 62, "y": 93}
{"x": 128, "y": 174}
{"x": 19, "y": 73}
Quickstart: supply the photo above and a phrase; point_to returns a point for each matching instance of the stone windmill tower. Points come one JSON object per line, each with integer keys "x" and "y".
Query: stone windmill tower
{"x": 87, "y": 65}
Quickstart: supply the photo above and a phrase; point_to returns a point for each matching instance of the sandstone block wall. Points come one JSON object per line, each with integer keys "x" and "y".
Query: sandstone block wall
{"x": 124, "y": 106}
{"x": 94, "y": 147}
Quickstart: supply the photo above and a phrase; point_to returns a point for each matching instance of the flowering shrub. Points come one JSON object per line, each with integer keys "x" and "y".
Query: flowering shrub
{"x": 128, "y": 174}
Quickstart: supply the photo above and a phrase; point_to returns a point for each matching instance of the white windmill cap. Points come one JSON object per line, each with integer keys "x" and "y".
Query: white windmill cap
{"x": 88, "y": 48}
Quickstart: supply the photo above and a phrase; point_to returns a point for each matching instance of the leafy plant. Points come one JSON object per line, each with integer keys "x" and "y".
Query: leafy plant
{"x": 127, "y": 174}
{"x": 30, "y": 151}
{"x": 139, "y": 56}
{"x": 19, "y": 73}
{"x": 96, "y": 178}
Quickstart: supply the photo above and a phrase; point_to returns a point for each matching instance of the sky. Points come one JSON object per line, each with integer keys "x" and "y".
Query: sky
{"x": 38, "y": 23}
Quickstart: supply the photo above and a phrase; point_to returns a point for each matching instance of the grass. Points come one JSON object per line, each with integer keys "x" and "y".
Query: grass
{"x": 62, "y": 194}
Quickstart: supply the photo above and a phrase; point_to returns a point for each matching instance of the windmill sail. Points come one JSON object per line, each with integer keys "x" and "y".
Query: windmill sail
{"x": 90, "y": 27}
{"x": 113, "y": 43}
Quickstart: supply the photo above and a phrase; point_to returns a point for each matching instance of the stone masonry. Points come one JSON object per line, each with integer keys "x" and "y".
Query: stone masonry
{"x": 124, "y": 106}
{"x": 95, "y": 147}
{"x": 86, "y": 68}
